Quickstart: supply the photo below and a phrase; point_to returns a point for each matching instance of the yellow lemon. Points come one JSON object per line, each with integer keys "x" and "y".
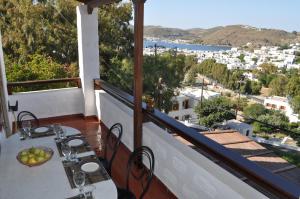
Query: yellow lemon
{"x": 24, "y": 159}
{"x": 32, "y": 161}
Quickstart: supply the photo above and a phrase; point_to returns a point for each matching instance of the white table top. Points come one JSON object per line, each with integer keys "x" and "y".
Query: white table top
{"x": 47, "y": 181}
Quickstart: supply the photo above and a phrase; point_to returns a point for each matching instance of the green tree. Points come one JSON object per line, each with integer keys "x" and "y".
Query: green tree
{"x": 296, "y": 104}
{"x": 46, "y": 28}
{"x": 242, "y": 58}
{"x": 214, "y": 111}
{"x": 278, "y": 85}
{"x": 115, "y": 39}
{"x": 268, "y": 68}
{"x": 255, "y": 88}
{"x": 158, "y": 82}
{"x": 293, "y": 86}
{"x": 246, "y": 87}
{"x": 253, "y": 111}
{"x": 49, "y": 29}
{"x": 240, "y": 103}
{"x": 274, "y": 118}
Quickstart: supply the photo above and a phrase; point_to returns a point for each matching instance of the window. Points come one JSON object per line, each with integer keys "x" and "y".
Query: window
{"x": 176, "y": 118}
{"x": 185, "y": 104}
{"x": 247, "y": 133}
{"x": 282, "y": 107}
{"x": 186, "y": 117}
{"x": 175, "y": 106}
{"x": 273, "y": 106}
{"x": 268, "y": 104}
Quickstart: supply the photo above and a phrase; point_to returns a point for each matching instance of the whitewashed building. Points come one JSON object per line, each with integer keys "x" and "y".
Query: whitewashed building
{"x": 281, "y": 104}
{"x": 187, "y": 100}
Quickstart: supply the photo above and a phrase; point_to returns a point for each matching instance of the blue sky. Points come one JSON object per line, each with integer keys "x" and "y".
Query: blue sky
{"x": 279, "y": 14}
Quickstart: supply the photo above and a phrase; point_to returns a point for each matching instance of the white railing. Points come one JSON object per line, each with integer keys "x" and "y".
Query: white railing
{"x": 187, "y": 173}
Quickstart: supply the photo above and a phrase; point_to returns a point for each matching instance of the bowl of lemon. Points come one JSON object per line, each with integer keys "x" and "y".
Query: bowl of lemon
{"x": 35, "y": 156}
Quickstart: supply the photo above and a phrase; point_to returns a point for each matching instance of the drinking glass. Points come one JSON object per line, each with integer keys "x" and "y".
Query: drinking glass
{"x": 26, "y": 125}
{"x": 89, "y": 191}
{"x": 66, "y": 151}
{"x": 56, "y": 130}
{"x": 79, "y": 181}
{"x": 62, "y": 134}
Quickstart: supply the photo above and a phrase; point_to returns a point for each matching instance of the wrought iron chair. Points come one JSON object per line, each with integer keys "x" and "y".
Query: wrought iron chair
{"x": 27, "y": 116}
{"x": 113, "y": 142}
{"x": 138, "y": 171}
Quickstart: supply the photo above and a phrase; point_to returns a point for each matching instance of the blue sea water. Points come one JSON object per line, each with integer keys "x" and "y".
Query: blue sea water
{"x": 149, "y": 43}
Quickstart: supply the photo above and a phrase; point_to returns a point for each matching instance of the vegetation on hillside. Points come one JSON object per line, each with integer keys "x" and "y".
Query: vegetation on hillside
{"x": 40, "y": 40}
{"x": 232, "y": 79}
{"x": 234, "y": 35}
{"x": 214, "y": 111}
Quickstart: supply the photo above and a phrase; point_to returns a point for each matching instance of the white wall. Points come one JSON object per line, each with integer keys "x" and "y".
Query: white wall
{"x": 188, "y": 174}
{"x": 49, "y": 103}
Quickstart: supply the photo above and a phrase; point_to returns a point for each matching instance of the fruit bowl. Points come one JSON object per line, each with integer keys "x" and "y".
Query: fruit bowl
{"x": 35, "y": 156}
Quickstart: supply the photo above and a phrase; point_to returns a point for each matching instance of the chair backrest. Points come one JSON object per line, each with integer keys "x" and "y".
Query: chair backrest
{"x": 26, "y": 115}
{"x": 113, "y": 141}
{"x": 138, "y": 171}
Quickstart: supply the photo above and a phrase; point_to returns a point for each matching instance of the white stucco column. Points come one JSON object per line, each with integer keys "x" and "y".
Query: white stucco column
{"x": 4, "y": 94}
{"x": 88, "y": 51}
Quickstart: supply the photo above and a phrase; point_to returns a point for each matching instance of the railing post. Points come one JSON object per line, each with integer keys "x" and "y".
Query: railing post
{"x": 138, "y": 70}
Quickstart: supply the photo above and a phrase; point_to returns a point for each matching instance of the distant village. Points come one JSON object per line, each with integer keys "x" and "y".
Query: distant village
{"x": 235, "y": 58}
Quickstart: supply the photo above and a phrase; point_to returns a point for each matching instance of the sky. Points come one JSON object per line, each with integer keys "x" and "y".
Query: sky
{"x": 278, "y": 14}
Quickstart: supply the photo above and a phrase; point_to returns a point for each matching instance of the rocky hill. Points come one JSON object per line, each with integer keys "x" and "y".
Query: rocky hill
{"x": 235, "y": 35}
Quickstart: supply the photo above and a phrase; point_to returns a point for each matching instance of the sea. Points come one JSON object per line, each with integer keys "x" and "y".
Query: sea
{"x": 194, "y": 47}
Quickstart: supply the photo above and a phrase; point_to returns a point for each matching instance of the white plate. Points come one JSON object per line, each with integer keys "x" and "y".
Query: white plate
{"x": 41, "y": 130}
{"x": 90, "y": 167}
{"x": 75, "y": 142}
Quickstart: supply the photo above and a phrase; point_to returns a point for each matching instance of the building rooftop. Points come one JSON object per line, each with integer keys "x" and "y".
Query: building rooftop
{"x": 196, "y": 92}
{"x": 252, "y": 151}
{"x": 278, "y": 98}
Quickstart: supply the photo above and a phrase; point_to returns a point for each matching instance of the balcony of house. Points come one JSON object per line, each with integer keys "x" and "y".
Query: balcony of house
{"x": 187, "y": 164}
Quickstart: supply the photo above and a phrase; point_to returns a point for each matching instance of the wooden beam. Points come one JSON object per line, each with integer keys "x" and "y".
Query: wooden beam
{"x": 91, "y": 4}
{"x": 97, "y": 2}
{"x": 238, "y": 142}
{"x": 138, "y": 70}
{"x": 258, "y": 154}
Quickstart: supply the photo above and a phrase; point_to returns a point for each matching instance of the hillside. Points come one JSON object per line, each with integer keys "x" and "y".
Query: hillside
{"x": 235, "y": 35}
{"x": 168, "y": 33}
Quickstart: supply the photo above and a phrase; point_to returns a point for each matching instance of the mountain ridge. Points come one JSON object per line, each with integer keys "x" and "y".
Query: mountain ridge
{"x": 231, "y": 35}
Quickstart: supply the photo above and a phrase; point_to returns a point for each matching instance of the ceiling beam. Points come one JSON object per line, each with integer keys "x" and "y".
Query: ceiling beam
{"x": 91, "y": 4}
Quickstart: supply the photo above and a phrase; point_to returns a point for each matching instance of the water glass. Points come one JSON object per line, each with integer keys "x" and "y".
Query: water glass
{"x": 26, "y": 125}
{"x": 62, "y": 134}
{"x": 79, "y": 180}
{"x": 73, "y": 156}
{"x": 89, "y": 191}
{"x": 66, "y": 151}
{"x": 56, "y": 130}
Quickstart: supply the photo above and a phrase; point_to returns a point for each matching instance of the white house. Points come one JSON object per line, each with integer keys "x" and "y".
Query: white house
{"x": 243, "y": 128}
{"x": 281, "y": 104}
{"x": 187, "y": 100}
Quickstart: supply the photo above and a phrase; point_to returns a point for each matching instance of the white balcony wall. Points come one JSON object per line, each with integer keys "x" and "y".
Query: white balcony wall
{"x": 49, "y": 103}
{"x": 187, "y": 173}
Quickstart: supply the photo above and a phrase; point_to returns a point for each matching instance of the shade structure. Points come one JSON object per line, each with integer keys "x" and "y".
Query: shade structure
{"x": 138, "y": 61}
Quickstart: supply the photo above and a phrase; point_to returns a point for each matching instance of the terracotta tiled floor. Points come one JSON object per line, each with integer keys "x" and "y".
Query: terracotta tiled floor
{"x": 94, "y": 130}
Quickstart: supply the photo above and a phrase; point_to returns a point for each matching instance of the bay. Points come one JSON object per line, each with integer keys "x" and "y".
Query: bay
{"x": 181, "y": 46}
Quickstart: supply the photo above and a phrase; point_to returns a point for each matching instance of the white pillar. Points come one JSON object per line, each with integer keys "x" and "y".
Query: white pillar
{"x": 4, "y": 94}
{"x": 88, "y": 51}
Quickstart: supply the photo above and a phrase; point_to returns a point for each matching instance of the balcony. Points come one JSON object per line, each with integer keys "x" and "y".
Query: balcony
{"x": 188, "y": 164}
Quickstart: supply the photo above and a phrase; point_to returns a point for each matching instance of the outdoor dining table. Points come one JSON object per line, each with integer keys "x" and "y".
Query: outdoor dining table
{"x": 47, "y": 181}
